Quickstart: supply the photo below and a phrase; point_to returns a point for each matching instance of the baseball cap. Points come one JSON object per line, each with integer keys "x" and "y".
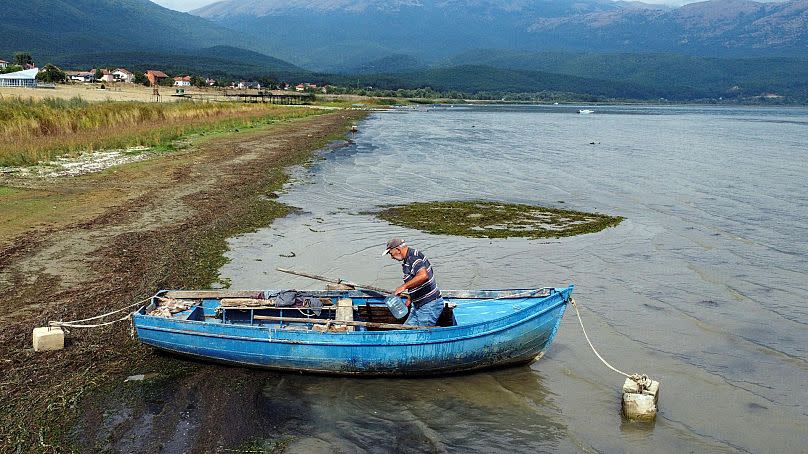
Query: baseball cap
{"x": 393, "y": 243}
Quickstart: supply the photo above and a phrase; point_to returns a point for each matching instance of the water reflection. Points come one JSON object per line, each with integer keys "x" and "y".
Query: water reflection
{"x": 509, "y": 409}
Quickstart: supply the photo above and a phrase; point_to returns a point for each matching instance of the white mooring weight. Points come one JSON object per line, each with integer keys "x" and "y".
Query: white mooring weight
{"x": 48, "y": 338}
{"x": 640, "y": 399}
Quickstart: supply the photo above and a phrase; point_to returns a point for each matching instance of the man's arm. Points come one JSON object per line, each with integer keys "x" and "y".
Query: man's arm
{"x": 420, "y": 277}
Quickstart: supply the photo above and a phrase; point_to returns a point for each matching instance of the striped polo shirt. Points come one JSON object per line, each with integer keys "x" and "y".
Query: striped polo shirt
{"x": 412, "y": 264}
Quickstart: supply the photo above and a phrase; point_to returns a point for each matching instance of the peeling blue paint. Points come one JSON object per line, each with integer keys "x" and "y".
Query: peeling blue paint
{"x": 490, "y": 332}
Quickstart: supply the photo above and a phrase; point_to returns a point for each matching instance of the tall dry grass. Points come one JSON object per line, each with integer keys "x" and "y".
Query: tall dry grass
{"x": 34, "y": 131}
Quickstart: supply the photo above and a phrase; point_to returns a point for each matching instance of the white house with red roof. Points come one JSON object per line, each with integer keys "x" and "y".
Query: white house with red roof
{"x": 182, "y": 81}
{"x": 123, "y": 75}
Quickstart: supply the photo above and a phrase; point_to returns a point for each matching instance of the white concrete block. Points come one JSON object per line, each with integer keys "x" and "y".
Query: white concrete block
{"x": 639, "y": 407}
{"x": 345, "y": 312}
{"x": 48, "y": 338}
{"x": 631, "y": 386}
{"x": 653, "y": 390}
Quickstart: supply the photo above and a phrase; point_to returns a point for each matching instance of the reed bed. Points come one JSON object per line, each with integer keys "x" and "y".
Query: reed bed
{"x": 33, "y": 131}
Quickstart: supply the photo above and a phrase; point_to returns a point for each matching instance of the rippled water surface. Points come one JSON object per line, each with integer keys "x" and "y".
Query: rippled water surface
{"x": 704, "y": 285}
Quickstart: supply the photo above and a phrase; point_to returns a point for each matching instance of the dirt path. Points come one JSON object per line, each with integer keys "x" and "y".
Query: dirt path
{"x": 153, "y": 224}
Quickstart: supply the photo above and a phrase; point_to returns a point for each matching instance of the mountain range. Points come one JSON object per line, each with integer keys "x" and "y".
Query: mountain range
{"x": 600, "y": 47}
{"x": 345, "y": 34}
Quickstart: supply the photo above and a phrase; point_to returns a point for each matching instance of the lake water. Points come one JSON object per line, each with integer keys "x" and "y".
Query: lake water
{"x": 704, "y": 285}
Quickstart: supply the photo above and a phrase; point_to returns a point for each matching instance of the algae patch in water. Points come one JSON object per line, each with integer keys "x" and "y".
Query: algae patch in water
{"x": 483, "y": 219}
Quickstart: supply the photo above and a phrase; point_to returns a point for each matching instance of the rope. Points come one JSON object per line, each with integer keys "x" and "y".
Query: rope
{"x": 73, "y": 325}
{"x": 636, "y": 377}
{"x": 79, "y": 323}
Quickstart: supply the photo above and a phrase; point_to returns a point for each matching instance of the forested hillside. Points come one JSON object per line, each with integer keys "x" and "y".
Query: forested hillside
{"x": 217, "y": 62}
{"x": 677, "y": 76}
{"x": 49, "y": 28}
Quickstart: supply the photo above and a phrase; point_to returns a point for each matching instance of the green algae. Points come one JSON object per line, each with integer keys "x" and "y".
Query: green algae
{"x": 486, "y": 219}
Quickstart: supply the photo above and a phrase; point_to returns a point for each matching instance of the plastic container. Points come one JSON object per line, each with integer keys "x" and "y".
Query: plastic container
{"x": 396, "y": 306}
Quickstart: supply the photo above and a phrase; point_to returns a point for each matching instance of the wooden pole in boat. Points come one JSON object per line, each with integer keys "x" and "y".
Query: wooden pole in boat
{"x": 336, "y": 281}
{"x": 320, "y": 321}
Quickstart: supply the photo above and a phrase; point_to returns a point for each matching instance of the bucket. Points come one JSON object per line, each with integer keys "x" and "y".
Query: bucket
{"x": 396, "y": 306}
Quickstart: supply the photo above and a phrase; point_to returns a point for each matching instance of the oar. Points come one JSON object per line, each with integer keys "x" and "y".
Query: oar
{"x": 336, "y": 281}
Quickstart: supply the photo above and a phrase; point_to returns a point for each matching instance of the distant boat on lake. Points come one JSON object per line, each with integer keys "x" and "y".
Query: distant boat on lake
{"x": 352, "y": 332}
{"x": 586, "y": 111}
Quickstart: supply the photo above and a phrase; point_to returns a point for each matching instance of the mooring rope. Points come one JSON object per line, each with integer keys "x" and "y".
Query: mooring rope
{"x": 636, "y": 377}
{"x": 80, "y": 324}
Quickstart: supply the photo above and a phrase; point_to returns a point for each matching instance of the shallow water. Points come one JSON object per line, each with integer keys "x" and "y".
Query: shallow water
{"x": 703, "y": 286}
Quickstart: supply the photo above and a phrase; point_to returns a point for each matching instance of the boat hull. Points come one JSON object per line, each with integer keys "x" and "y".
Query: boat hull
{"x": 516, "y": 338}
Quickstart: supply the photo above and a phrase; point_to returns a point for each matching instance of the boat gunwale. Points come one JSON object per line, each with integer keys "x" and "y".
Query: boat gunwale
{"x": 417, "y": 334}
{"x": 482, "y": 294}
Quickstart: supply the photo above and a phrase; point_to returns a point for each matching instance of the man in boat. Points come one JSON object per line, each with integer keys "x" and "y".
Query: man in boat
{"x": 419, "y": 281}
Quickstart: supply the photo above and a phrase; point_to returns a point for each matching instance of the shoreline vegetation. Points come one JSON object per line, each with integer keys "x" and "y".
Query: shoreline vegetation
{"x": 75, "y": 247}
{"x": 486, "y": 219}
{"x": 34, "y": 131}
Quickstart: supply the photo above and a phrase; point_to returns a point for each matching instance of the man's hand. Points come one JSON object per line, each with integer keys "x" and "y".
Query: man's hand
{"x": 421, "y": 277}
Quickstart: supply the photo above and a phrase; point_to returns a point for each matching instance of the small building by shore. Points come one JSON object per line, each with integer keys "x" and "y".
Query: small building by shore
{"x": 182, "y": 81}
{"x": 248, "y": 84}
{"x": 106, "y": 75}
{"x": 25, "y": 78}
{"x": 155, "y": 76}
{"x": 123, "y": 75}
{"x": 81, "y": 76}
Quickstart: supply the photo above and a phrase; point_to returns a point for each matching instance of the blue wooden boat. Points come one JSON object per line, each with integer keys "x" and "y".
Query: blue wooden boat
{"x": 352, "y": 332}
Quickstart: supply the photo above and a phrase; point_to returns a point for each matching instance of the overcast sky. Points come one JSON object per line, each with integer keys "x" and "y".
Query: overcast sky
{"x": 187, "y": 5}
{"x": 183, "y": 5}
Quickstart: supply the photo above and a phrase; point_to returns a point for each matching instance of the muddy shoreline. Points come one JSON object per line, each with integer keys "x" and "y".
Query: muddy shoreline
{"x": 160, "y": 223}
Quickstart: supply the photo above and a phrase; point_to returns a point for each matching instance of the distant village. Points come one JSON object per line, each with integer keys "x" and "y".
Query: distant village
{"x": 23, "y": 72}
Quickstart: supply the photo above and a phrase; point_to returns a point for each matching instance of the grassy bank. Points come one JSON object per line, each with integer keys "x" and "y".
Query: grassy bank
{"x": 32, "y": 131}
{"x": 57, "y": 401}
